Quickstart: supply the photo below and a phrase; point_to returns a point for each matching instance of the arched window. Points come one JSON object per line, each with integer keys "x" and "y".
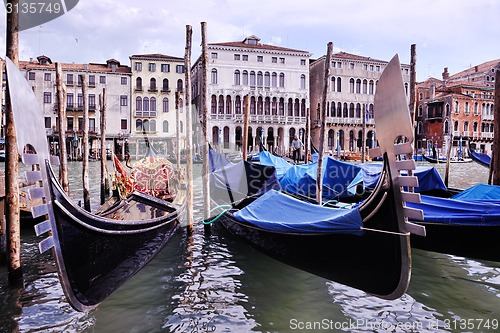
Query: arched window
{"x": 214, "y": 104}
{"x": 252, "y": 78}
{"x": 229, "y": 104}
{"x": 245, "y": 78}
{"x": 260, "y": 79}
{"x": 180, "y": 85}
{"x": 145, "y": 104}
{"x": 138, "y": 125}
{"x": 152, "y": 84}
{"x": 260, "y": 106}
{"x": 237, "y": 78}
{"x": 165, "y": 104}
{"x": 152, "y": 104}
{"x": 221, "y": 104}
{"x": 332, "y": 84}
{"x": 371, "y": 91}
{"x": 214, "y": 76}
{"x": 274, "y": 80}
{"x": 351, "y": 85}
{"x": 358, "y": 86}
{"x": 237, "y": 105}
{"x": 267, "y": 79}
{"x": 165, "y": 126}
{"x": 282, "y": 80}
{"x": 152, "y": 125}
{"x": 138, "y": 103}
{"x": 339, "y": 84}
{"x": 138, "y": 83}
{"x": 302, "y": 81}
{"x": 165, "y": 85}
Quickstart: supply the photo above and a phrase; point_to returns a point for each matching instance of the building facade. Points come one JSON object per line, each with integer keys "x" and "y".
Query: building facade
{"x": 111, "y": 77}
{"x": 157, "y": 91}
{"x": 456, "y": 113}
{"x": 276, "y": 81}
{"x": 349, "y": 103}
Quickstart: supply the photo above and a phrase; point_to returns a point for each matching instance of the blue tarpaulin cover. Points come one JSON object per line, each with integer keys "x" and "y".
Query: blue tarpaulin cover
{"x": 482, "y": 192}
{"x": 282, "y": 166}
{"x": 483, "y": 158}
{"x": 340, "y": 179}
{"x": 279, "y": 212}
{"x": 428, "y": 177}
{"x": 301, "y": 179}
{"x": 458, "y": 212}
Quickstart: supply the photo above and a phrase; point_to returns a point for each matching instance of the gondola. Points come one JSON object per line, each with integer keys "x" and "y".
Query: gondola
{"x": 480, "y": 158}
{"x": 466, "y": 224}
{"x": 365, "y": 246}
{"x": 95, "y": 254}
{"x": 435, "y": 161}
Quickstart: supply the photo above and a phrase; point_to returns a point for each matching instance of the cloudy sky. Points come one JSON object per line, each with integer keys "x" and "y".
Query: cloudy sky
{"x": 456, "y": 34}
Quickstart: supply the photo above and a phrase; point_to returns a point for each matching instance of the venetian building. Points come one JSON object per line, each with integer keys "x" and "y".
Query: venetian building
{"x": 349, "y": 103}
{"x": 455, "y": 114}
{"x": 157, "y": 85}
{"x": 276, "y": 81}
{"x": 110, "y": 77}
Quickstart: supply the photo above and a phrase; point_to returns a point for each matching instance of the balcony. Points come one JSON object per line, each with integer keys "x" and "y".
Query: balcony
{"x": 145, "y": 114}
{"x": 263, "y": 119}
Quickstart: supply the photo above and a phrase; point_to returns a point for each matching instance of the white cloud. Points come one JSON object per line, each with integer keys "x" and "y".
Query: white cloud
{"x": 448, "y": 33}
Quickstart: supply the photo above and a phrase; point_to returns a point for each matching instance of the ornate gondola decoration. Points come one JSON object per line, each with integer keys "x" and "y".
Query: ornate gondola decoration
{"x": 95, "y": 254}
{"x": 365, "y": 246}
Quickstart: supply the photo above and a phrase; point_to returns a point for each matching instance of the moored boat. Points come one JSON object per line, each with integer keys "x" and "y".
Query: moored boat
{"x": 483, "y": 159}
{"x": 365, "y": 246}
{"x": 95, "y": 254}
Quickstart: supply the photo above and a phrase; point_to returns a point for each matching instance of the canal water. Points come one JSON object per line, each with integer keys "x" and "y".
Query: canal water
{"x": 218, "y": 284}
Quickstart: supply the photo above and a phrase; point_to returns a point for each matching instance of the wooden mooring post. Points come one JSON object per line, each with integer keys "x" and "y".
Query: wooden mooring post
{"x": 189, "y": 131}
{"x": 12, "y": 210}
{"x": 319, "y": 178}
{"x": 204, "y": 110}
{"x": 85, "y": 144}
{"x": 495, "y": 159}
{"x": 61, "y": 125}
{"x": 104, "y": 176}
{"x": 3, "y": 242}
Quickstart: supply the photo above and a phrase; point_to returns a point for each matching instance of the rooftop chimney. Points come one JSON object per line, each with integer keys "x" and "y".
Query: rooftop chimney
{"x": 445, "y": 74}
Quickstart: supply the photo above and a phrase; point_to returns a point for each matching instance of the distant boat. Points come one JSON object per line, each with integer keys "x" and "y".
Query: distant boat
{"x": 443, "y": 160}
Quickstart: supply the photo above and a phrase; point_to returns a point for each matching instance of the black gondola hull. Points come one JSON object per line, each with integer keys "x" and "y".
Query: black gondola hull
{"x": 377, "y": 262}
{"x": 477, "y": 242}
{"x": 97, "y": 254}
